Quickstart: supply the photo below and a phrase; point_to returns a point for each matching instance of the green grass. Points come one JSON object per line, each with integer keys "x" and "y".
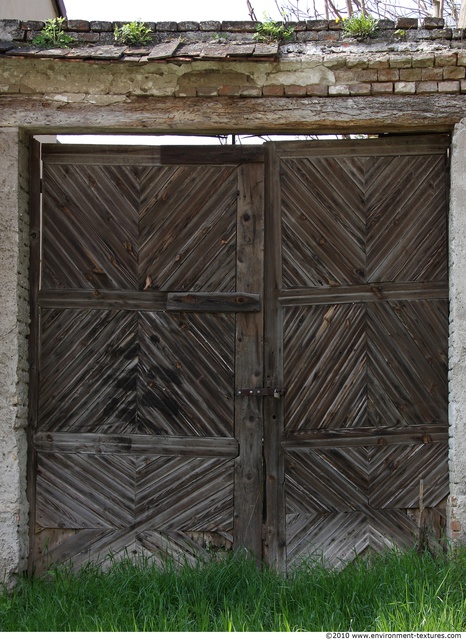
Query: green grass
{"x": 392, "y": 592}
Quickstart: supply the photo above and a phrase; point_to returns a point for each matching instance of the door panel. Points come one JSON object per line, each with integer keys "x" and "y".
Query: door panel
{"x": 357, "y": 335}
{"x": 139, "y": 441}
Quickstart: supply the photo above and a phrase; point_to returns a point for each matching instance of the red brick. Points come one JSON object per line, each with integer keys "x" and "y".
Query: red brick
{"x": 78, "y": 25}
{"x": 250, "y": 92}
{"x": 450, "y": 86}
{"x": 317, "y": 90}
{"x": 453, "y": 73}
{"x": 273, "y": 90}
{"x": 360, "y": 89}
{"x": 410, "y": 75}
{"x": 405, "y": 87}
{"x": 401, "y": 61}
{"x": 339, "y": 90}
{"x": 388, "y": 75}
{"x": 445, "y": 59}
{"x": 382, "y": 87}
{"x": 381, "y": 63}
{"x": 455, "y": 525}
{"x": 328, "y": 36}
{"x": 432, "y": 74}
{"x": 229, "y": 90}
{"x": 295, "y": 90}
{"x": 423, "y": 60}
{"x": 426, "y": 87}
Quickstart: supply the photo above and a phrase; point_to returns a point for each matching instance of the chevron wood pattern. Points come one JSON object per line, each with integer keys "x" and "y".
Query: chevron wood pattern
{"x": 88, "y": 371}
{"x": 339, "y": 537}
{"x": 380, "y": 477}
{"x": 138, "y": 503}
{"x": 363, "y": 432}
{"x": 135, "y": 448}
{"x": 185, "y": 361}
{"x": 90, "y": 227}
{"x": 142, "y": 446}
{"x": 382, "y": 220}
{"x": 366, "y": 365}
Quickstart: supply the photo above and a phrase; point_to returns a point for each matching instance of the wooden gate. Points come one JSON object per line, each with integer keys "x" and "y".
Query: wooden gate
{"x": 170, "y": 414}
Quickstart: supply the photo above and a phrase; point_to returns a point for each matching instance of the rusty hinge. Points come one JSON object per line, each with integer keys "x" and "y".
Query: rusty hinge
{"x": 276, "y": 392}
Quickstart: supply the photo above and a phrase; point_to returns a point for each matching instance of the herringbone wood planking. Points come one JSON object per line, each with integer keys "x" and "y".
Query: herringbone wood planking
{"x": 381, "y": 220}
{"x": 337, "y": 538}
{"x": 371, "y": 369}
{"x": 380, "y": 477}
{"x": 366, "y": 365}
{"x": 325, "y": 367}
{"x": 137, "y": 417}
{"x": 120, "y": 498}
{"x": 406, "y": 200}
{"x": 121, "y": 378}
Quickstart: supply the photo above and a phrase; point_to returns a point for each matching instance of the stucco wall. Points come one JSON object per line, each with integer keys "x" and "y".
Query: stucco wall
{"x": 457, "y": 351}
{"x": 14, "y": 329}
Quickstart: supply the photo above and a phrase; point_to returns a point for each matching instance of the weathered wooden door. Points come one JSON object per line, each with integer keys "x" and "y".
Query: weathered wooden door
{"x": 148, "y": 295}
{"x": 170, "y": 414}
{"x": 356, "y": 334}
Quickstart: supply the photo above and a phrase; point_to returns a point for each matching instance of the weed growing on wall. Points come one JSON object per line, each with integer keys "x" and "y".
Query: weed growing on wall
{"x": 133, "y": 33}
{"x": 271, "y": 31}
{"x": 52, "y": 35}
{"x": 360, "y": 26}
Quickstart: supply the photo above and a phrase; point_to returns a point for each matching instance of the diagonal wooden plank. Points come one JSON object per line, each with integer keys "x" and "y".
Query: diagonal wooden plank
{"x": 407, "y": 225}
{"x": 88, "y": 370}
{"x": 89, "y": 232}
{"x": 85, "y": 491}
{"x": 407, "y": 367}
{"x": 322, "y": 219}
{"x": 186, "y": 360}
{"x": 187, "y": 225}
{"x": 338, "y": 538}
{"x": 184, "y": 494}
{"x": 325, "y": 367}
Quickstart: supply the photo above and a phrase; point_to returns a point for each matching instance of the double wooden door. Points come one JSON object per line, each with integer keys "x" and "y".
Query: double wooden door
{"x": 239, "y": 347}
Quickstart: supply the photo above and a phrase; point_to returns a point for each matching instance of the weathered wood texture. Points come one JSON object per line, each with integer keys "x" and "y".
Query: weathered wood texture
{"x": 137, "y": 442}
{"x": 212, "y": 116}
{"x": 167, "y": 287}
{"x": 365, "y": 417}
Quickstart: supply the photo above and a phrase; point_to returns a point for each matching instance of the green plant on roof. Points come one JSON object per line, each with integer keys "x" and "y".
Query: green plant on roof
{"x": 133, "y": 33}
{"x": 271, "y": 31}
{"x": 360, "y": 25}
{"x": 52, "y": 35}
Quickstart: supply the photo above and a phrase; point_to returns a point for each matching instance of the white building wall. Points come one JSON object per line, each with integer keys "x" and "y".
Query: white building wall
{"x": 27, "y": 10}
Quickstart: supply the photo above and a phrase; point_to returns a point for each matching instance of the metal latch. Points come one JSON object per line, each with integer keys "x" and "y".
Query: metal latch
{"x": 276, "y": 392}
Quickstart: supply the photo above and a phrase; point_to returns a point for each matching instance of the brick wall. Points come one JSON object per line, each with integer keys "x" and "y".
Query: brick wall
{"x": 402, "y": 59}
